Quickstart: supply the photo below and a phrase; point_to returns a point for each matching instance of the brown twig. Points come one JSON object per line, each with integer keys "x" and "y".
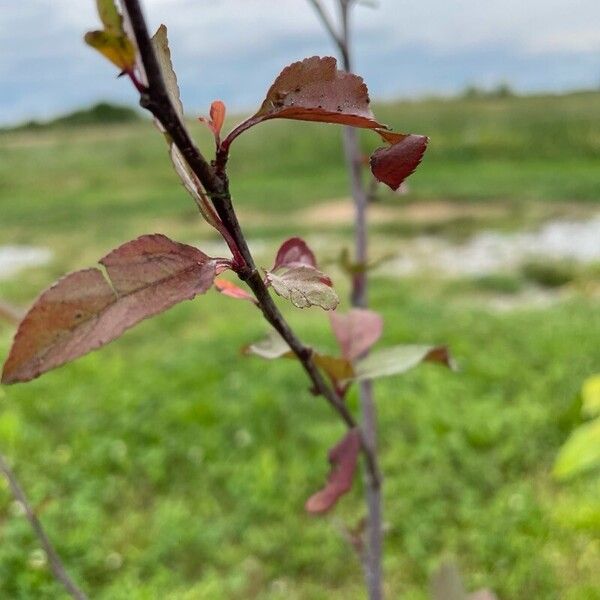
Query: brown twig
{"x": 328, "y": 23}
{"x": 56, "y": 564}
{"x": 157, "y": 101}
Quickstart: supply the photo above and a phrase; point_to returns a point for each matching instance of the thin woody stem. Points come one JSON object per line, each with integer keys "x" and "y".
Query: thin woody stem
{"x": 372, "y": 556}
{"x": 157, "y": 101}
{"x": 10, "y": 313}
{"x": 56, "y": 565}
{"x": 335, "y": 36}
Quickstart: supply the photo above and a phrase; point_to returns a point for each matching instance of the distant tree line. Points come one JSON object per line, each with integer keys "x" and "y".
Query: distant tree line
{"x": 101, "y": 113}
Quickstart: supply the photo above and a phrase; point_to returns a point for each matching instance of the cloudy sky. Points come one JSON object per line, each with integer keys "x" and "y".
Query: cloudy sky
{"x": 232, "y": 49}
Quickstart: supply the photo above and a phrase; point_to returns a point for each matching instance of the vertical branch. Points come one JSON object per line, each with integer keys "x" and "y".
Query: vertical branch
{"x": 359, "y": 298}
{"x": 10, "y": 313}
{"x": 56, "y": 565}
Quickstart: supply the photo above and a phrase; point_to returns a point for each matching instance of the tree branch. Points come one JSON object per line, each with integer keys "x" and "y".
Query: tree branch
{"x": 328, "y": 24}
{"x": 372, "y": 556}
{"x": 157, "y": 101}
{"x": 56, "y": 565}
{"x": 10, "y": 313}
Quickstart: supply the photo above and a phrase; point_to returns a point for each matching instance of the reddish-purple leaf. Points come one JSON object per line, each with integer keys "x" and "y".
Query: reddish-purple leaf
{"x": 343, "y": 458}
{"x": 228, "y": 288}
{"x": 315, "y": 90}
{"x": 356, "y": 331}
{"x": 393, "y": 164}
{"x": 304, "y": 286}
{"x": 84, "y": 311}
{"x": 294, "y": 252}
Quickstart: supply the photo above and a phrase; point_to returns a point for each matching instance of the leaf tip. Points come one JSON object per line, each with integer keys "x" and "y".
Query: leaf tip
{"x": 441, "y": 355}
{"x": 395, "y": 163}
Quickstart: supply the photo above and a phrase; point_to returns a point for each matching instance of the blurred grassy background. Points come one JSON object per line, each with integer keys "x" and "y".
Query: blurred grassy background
{"x": 166, "y": 466}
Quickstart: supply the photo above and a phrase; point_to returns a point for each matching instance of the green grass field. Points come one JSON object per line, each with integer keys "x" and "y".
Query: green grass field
{"x": 168, "y": 466}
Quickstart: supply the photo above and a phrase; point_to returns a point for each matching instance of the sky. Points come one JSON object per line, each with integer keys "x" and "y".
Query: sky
{"x": 233, "y": 49}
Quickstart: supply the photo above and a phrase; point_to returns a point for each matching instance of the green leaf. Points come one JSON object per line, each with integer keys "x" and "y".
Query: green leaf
{"x": 581, "y": 452}
{"x": 590, "y": 396}
{"x": 116, "y": 47}
{"x": 399, "y": 359}
{"x": 112, "y": 42}
{"x": 305, "y": 286}
{"x": 163, "y": 54}
{"x": 338, "y": 369}
{"x": 187, "y": 176}
{"x": 110, "y": 17}
{"x": 274, "y": 346}
{"x": 271, "y": 347}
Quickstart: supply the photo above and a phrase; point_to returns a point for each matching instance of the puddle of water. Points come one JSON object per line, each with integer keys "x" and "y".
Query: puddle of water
{"x": 492, "y": 252}
{"x": 16, "y": 258}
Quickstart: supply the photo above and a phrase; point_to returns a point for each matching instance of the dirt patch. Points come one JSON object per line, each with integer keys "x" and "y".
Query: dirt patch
{"x": 341, "y": 212}
{"x": 441, "y": 212}
{"x": 492, "y": 252}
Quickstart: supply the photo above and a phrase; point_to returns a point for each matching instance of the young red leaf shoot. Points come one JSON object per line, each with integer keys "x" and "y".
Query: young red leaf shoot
{"x": 216, "y": 119}
{"x": 293, "y": 253}
{"x": 217, "y": 116}
{"x": 227, "y": 288}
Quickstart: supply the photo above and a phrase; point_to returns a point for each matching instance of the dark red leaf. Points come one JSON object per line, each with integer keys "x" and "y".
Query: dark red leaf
{"x": 343, "y": 458}
{"x": 441, "y": 355}
{"x": 228, "y": 288}
{"x": 84, "y": 311}
{"x": 393, "y": 164}
{"x": 294, "y": 252}
{"x": 356, "y": 331}
{"x": 315, "y": 90}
